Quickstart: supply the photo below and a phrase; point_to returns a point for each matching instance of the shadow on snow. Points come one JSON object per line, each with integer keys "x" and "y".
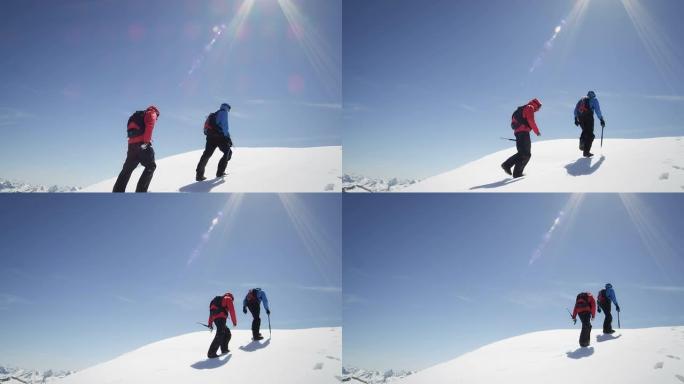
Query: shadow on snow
{"x": 202, "y": 186}
{"x": 606, "y": 337}
{"x": 497, "y": 184}
{"x": 583, "y": 166}
{"x": 211, "y": 363}
{"x": 255, "y": 345}
{"x": 580, "y": 352}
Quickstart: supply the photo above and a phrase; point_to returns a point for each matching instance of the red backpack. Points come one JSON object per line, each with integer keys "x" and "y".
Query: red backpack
{"x": 138, "y": 117}
{"x": 211, "y": 128}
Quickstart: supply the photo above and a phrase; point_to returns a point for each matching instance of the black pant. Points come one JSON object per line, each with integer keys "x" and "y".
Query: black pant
{"x": 524, "y": 146}
{"x": 221, "y": 338}
{"x": 585, "y": 334}
{"x": 255, "y": 309}
{"x": 213, "y": 142}
{"x": 135, "y": 156}
{"x": 608, "y": 320}
{"x": 587, "y": 136}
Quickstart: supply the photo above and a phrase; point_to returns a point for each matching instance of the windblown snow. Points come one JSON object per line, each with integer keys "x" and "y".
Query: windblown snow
{"x": 314, "y": 169}
{"x": 648, "y": 355}
{"x": 291, "y": 356}
{"x": 622, "y": 165}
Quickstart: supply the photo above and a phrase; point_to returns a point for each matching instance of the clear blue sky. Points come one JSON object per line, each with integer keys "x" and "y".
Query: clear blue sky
{"x": 73, "y": 72}
{"x": 429, "y": 277}
{"x": 432, "y": 85}
{"x": 86, "y": 278}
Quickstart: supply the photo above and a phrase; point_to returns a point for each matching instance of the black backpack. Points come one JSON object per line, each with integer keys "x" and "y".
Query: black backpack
{"x": 518, "y": 119}
{"x": 215, "y": 306}
{"x": 602, "y": 298}
{"x": 583, "y": 107}
{"x": 252, "y": 296}
{"x": 582, "y": 299}
{"x": 211, "y": 128}
{"x": 139, "y": 118}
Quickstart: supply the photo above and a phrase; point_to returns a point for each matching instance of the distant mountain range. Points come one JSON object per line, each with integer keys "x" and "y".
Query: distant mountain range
{"x": 11, "y": 186}
{"x": 357, "y": 375}
{"x": 358, "y": 183}
{"x": 17, "y": 375}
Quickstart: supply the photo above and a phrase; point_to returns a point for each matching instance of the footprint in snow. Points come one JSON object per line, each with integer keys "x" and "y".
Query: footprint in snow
{"x": 678, "y": 167}
{"x": 318, "y": 366}
{"x": 680, "y": 377}
{"x": 658, "y": 365}
{"x": 664, "y": 176}
{"x": 338, "y": 359}
{"x": 673, "y": 357}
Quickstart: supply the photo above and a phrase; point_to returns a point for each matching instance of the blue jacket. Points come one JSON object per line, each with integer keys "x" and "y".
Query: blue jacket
{"x": 222, "y": 121}
{"x": 261, "y": 296}
{"x": 610, "y": 294}
{"x": 594, "y": 105}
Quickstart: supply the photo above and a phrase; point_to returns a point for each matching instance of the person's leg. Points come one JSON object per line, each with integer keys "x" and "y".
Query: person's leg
{"x": 585, "y": 334}
{"x": 256, "y": 320}
{"x": 608, "y": 321}
{"x": 209, "y": 148}
{"x": 226, "y": 340}
{"x": 147, "y": 161}
{"x": 220, "y": 325}
{"x": 524, "y": 145}
{"x": 127, "y": 169}
{"x": 227, "y": 154}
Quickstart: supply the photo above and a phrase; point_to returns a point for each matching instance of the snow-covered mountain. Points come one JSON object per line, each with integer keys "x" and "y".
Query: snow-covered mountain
{"x": 622, "y": 165}
{"x": 14, "y": 375}
{"x": 314, "y": 169}
{"x": 630, "y": 356}
{"x": 291, "y": 356}
{"x": 17, "y": 186}
{"x": 372, "y": 377}
{"x": 358, "y": 183}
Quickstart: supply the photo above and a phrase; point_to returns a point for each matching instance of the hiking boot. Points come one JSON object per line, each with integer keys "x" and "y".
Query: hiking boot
{"x": 609, "y": 332}
{"x": 257, "y": 337}
{"x": 226, "y": 352}
{"x": 506, "y": 169}
{"x": 588, "y": 154}
{"x": 213, "y": 356}
{"x": 200, "y": 178}
{"x": 221, "y": 174}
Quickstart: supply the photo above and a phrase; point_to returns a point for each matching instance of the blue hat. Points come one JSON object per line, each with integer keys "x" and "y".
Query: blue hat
{"x": 609, "y": 285}
{"x": 591, "y": 94}
{"x": 225, "y": 106}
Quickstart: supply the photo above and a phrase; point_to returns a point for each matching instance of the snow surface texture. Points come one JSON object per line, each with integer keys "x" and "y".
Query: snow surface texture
{"x": 18, "y": 186}
{"x": 13, "y": 375}
{"x": 622, "y": 165}
{"x": 292, "y": 356}
{"x": 373, "y": 377}
{"x": 649, "y": 355}
{"x": 315, "y": 169}
{"x": 358, "y": 183}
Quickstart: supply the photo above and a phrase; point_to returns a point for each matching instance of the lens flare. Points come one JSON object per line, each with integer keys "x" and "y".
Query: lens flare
{"x": 226, "y": 215}
{"x": 315, "y": 47}
{"x": 317, "y": 244}
{"x": 233, "y": 30}
{"x": 657, "y": 44}
{"x": 565, "y": 217}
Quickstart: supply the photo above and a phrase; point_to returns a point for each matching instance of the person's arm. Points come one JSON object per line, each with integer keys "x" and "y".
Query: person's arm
{"x": 592, "y": 303}
{"x": 574, "y": 312}
{"x": 264, "y": 299}
{"x": 528, "y": 113}
{"x": 222, "y": 121}
{"x": 611, "y": 295}
{"x": 150, "y": 121}
{"x": 231, "y": 310}
{"x": 596, "y": 107}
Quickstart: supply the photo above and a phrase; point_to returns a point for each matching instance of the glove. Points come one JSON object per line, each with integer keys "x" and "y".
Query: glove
{"x": 576, "y": 122}
{"x": 144, "y": 146}
{"x": 617, "y": 307}
{"x": 211, "y": 327}
{"x": 598, "y": 309}
{"x": 603, "y": 123}
{"x": 574, "y": 321}
{"x": 268, "y": 311}
{"x": 244, "y": 310}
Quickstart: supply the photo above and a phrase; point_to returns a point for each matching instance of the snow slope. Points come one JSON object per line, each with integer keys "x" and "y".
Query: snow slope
{"x": 622, "y": 165}
{"x": 292, "y": 356}
{"x": 648, "y": 355}
{"x": 315, "y": 169}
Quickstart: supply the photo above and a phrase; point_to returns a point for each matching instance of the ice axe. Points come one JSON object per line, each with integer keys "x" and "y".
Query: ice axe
{"x": 618, "y": 319}
{"x": 269, "y": 324}
{"x": 506, "y": 138}
{"x": 602, "y": 136}
{"x": 205, "y": 325}
{"x": 570, "y": 313}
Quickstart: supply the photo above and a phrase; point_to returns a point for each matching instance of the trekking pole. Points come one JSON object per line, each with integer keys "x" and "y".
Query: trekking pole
{"x": 506, "y": 138}
{"x": 601, "y": 136}
{"x": 269, "y": 324}
{"x": 618, "y": 320}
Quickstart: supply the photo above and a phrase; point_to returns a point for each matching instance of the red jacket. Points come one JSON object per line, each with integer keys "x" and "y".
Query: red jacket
{"x": 227, "y": 306}
{"x": 582, "y": 306}
{"x": 150, "y": 120}
{"x": 528, "y": 113}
